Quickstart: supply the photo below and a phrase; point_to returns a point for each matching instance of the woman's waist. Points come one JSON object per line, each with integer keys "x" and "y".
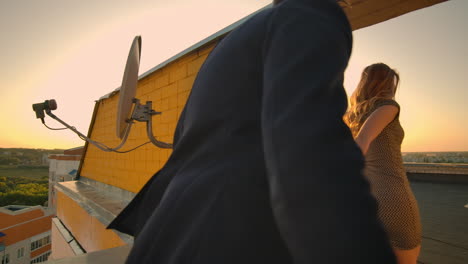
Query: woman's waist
{"x": 384, "y": 158}
{"x": 387, "y": 172}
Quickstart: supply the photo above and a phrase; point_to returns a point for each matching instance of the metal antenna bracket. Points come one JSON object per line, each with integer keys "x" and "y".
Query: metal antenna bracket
{"x": 144, "y": 113}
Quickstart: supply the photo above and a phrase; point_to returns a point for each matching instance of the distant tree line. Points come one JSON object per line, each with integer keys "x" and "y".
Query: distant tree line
{"x": 21, "y": 156}
{"x": 436, "y": 157}
{"x": 23, "y": 177}
{"x": 23, "y": 190}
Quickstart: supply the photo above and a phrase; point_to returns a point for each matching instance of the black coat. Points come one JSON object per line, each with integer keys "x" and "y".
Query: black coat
{"x": 263, "y": 169}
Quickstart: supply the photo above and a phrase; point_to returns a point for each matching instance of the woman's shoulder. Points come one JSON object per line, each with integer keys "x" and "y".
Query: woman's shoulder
{"x": 383, "y": 102}
{"x": 378, "y": 104}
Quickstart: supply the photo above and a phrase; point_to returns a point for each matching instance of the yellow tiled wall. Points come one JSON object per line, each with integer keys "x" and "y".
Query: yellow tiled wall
{"x": 168, "y": 88}
{"x": 90, "y": 233}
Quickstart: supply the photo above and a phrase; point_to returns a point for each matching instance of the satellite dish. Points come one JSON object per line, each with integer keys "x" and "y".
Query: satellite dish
{"x": 128, "y": 88}
{"x": 129, "y": 108}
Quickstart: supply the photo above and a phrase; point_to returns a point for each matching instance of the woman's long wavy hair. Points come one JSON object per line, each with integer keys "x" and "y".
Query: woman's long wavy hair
{"x": 378, "y": 81}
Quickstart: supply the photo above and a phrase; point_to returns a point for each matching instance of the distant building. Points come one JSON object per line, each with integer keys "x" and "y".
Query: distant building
{"x": 25, "y": 234}
{"x": 62, "y": 167}
{"x": 45, "y": 159}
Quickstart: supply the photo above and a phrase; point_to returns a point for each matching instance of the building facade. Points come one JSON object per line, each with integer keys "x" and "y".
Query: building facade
{"x": 62, "y": 167}
{"x": 25, "y": 234}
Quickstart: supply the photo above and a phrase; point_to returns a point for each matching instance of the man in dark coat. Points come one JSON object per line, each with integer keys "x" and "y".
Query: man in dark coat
{"x": 264, "y": 170}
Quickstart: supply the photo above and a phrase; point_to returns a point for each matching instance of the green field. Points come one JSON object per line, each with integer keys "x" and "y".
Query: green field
{"x": 33, "y": 172}
{"x": 23, "y": 185}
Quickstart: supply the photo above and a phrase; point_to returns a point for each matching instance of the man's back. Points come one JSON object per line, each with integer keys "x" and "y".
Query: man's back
{"x": 262, "y": 163}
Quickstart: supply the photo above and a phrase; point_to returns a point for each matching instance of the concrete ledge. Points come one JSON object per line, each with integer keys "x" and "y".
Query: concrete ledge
{"x": 437, "y": 172}
{"x": 118, "y": 193}
{"x": 102, "y": 205}
{"x": 438, "y": 178}
{"x": 116, "y": 255}
{"x": 68, "y": 237}
{"x": 440, "y": 168}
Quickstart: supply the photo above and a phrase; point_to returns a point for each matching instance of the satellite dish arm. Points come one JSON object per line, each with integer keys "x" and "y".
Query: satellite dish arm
{"x": 144, "y": 113}
{"x": 49, "y": 113}
{"x": 95, "y": 143}
{"x": 149, "y": 131}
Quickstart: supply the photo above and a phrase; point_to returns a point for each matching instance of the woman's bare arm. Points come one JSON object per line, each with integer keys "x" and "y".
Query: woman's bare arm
{"x": 374, "y": 125}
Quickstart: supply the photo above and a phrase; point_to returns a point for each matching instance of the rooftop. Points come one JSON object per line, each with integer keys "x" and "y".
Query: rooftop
{"x": 445, "y": 239}
{"x": 15, "y": 208}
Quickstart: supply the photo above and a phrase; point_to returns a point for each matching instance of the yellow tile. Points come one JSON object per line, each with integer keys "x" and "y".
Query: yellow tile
{"x": 161, "y": 130}
{"x": 171, "y": 127}
{"x": 187, "y": 58}
{"x": 155, "y": 95}
{"x": 194, "y": 66}
{"x": 164, "y": 104}
{"x": 156, "y": 155}
{"x": 169, "y": 116}
{"x": 177, "y": 72}
{"x": 185, "y": 84}
{"x": 140, "y": 165}
{"x": 168, "y": 91}
{"x": 182, "y": 98}
{"x": 173, "y": 102}
{"x": 161, "y": 81}
{"x": 207, "y": 49}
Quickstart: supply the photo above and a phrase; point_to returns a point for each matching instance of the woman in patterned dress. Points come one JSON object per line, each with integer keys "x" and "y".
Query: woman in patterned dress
{"x": 373, "y": 117}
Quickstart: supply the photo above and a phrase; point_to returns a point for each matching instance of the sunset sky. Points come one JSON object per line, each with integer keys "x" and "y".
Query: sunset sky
{"x": 75, "y": 52}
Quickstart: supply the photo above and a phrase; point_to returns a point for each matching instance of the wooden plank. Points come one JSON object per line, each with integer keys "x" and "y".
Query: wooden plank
{"x": 364, "y": 13}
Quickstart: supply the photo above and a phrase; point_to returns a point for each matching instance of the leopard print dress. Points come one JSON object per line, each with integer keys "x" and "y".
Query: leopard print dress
{"x": 397, "y": 206}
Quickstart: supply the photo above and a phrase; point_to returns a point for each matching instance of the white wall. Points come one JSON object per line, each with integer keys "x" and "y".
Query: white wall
{"x": 13, "y": 251}
{"x": 58, "y": 172}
